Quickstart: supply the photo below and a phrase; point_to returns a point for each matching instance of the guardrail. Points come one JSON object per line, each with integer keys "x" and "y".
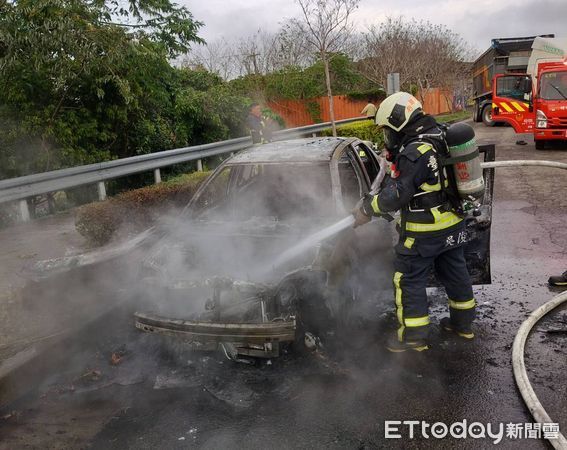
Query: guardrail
{"x": 57, "y": 180}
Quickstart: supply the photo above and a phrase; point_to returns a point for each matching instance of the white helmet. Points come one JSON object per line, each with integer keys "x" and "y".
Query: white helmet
{"x": 396, "y": 110}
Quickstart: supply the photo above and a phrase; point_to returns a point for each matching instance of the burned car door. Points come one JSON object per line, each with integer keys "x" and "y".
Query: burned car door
{"x": 362, "y": 258}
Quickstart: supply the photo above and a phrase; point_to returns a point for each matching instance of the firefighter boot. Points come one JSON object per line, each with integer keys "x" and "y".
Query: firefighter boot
{"x": 394, "y": 345}
{"x": 464, "y": 332}
{"x": 559, "y": 280}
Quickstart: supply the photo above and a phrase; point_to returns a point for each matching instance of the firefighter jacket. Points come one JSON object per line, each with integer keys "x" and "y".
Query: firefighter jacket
{"x": 258, "y": 129}
{"x": 414, "y": 188}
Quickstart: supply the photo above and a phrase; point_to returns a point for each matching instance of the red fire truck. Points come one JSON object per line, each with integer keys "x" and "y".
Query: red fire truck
{"x": 536, "y": 101}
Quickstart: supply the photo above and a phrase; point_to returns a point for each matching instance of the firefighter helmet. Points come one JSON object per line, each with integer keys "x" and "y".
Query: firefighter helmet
{"x": 397, "y": 110}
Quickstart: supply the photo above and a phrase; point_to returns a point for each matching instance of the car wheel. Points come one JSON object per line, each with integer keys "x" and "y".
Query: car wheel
{"x": 540, "y": 144}
{"x": 487, "y": 116}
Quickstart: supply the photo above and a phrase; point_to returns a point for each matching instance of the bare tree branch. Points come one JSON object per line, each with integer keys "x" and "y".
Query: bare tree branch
{"x": 425, "y": 55}
{"x": 327, "y": 29}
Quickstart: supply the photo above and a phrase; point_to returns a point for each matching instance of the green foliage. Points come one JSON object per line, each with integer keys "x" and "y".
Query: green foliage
{"x": 375, "y": 95}
{"x": 365, "y": 130}
{"x": 208, "y": 116}
{"x": 314, "y": 110}
{"x": 137, "y": 209}
{"x": 76, "y": 87}
{"x": 297, "y": 83}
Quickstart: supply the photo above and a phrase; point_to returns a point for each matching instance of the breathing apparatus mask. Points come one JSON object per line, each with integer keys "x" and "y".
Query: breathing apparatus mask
{"x": 392, "y": 142}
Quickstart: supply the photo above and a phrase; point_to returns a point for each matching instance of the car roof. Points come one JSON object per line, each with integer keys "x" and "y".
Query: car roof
{"x": 295, "y": 150}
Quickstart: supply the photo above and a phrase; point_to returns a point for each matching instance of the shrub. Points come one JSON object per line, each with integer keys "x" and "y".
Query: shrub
{"x": 365, "y": 130}
{"x": 136, "y": 209}
{"x": 375, "y": 94}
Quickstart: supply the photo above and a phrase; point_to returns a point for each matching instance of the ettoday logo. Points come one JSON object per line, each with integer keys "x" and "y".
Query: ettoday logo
{"x": 412, "y": 429}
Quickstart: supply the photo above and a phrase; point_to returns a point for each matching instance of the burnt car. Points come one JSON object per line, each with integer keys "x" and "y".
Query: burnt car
{"x": 216, "y": 277}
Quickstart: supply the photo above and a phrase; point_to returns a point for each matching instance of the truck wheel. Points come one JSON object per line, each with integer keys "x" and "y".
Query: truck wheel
{"x": 476, "y": 115}
{"x": 487, "y": 116}
{"x": 540, "y": 144}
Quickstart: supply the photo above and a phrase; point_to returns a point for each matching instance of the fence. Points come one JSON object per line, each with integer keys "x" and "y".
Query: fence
{"x": 303, "y": 112}
{"x": 21, "y": 188}
{"x": 436, "y": 101}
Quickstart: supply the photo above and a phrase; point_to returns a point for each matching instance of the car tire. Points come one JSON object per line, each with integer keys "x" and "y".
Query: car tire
{"x": 487, "y": 116}
{"x": 540, "y": 144}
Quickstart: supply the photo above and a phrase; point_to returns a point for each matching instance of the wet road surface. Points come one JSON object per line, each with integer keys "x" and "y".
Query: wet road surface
{"x": 159, "y": 395}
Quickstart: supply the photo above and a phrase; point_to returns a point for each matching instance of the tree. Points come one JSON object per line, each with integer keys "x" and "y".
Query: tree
{"x": 80, "y": 81}
{"x": 291, "y": 48}
{"x": 388, "y": 48}
{"x": 218, "y": 57}
{"x": 425, "y": 55}
{"x": 327, "y": 29}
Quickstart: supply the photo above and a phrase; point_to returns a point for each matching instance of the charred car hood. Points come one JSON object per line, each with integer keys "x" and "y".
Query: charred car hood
{"x": 241, "y": 250}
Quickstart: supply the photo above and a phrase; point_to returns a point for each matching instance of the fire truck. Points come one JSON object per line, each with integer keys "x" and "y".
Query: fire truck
{"x": 536, "y": 101}
{"x": 505, "y": 56}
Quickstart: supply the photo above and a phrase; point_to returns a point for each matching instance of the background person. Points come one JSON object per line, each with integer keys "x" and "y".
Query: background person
{"x": 369, "y": 110}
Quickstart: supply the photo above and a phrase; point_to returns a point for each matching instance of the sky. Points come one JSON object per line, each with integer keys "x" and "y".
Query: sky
{"x": 477, "y": 21}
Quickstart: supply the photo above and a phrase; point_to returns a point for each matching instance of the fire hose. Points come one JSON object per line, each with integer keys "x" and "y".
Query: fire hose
{"x": 518, "y": 364}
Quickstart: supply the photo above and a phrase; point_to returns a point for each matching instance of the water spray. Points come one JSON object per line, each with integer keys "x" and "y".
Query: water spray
{"x": 332, "y": 230}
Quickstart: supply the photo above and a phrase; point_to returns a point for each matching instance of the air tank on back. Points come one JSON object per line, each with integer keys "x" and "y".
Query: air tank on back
{"x": 468, "y": 172}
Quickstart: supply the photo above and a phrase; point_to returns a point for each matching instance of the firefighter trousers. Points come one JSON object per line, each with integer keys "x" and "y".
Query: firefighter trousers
{"x": 410, "y": 280}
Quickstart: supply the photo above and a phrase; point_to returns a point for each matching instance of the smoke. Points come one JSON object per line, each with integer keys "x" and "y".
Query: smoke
{"x": 168, "y": 271}
{"x": 244, "y": 220}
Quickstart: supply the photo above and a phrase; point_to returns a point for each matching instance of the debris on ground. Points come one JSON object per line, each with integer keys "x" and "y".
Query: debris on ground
{"x": 177, "y": 379}
{"x": 10, "y": 415}
{"x": 116, "y": 358}
{"x": 90, "y": 375}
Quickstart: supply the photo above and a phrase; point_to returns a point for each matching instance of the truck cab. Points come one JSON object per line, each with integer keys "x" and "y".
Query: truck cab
{"x": 535, "y": 102}
{"x": 550, "y": 104}
{"x": 508, "y": 56}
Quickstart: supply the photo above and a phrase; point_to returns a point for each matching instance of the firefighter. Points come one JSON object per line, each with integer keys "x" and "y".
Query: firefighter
{"x": 432, "y": 233}
{"x": 257, "y": 125}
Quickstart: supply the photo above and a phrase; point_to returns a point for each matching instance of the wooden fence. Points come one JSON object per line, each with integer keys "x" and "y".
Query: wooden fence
{"x": 436, "y": 101}
{"x": 297, "y": 113}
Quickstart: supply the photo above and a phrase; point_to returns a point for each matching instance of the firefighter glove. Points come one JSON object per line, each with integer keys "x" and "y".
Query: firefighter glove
{"x": 360, "y": 218}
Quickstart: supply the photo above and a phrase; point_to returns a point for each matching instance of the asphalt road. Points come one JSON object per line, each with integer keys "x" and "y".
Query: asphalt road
{"x": 161, "y": 396}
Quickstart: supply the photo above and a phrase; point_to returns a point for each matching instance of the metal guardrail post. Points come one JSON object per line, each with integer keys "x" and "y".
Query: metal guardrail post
{"x": 24, "y": 210}
{"x": 157, "y": 176}
{"x": 101, "y": 190}
{"x": 200, "y": 165}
